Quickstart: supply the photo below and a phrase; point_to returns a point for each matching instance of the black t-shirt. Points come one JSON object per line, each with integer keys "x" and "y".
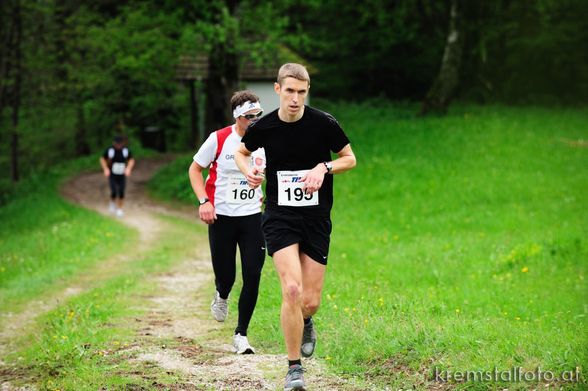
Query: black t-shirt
{"x": 113, "y": 155}
{"x": 293, "y": 146}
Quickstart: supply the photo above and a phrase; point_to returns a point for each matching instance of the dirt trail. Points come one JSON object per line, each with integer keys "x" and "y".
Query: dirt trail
{"x": 90, "y": 190}
{"x": 180, "y": 310}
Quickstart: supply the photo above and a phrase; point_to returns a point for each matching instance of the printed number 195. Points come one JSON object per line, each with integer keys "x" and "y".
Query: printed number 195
{"x": 298, "y": 194}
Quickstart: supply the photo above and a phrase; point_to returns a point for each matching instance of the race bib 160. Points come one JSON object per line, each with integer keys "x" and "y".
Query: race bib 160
{"x": 239, "y": 192}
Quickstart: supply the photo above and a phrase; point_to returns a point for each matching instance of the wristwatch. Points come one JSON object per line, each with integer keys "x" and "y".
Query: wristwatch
{"x": 329, "y": 166}
{"x": 203, "y": 201}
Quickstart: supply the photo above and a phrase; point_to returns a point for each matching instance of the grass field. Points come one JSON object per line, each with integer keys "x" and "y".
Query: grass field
{"x": 48, "y": 245}
{"x": 45, "y": 240}
{"x": 459, "y": 243}
{"x": 84, "y": 343}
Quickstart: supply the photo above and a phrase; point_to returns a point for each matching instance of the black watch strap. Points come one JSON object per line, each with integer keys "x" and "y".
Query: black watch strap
{"x": 328, "y": 166}
{"x": 204, "y": 201}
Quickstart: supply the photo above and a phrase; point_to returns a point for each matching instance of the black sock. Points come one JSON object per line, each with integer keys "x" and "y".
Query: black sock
{"x": 307, "y": 320}
{"x": 294, "y": 362}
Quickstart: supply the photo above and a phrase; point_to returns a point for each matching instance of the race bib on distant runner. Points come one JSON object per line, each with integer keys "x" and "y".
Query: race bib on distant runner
{"x": 239, "y": 192}
{"x": 291, "y": 192}
{"x": 118, "y": 168}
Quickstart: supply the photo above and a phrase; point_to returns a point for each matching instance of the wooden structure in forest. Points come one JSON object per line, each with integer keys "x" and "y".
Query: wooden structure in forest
{"x": 193, "y": 71}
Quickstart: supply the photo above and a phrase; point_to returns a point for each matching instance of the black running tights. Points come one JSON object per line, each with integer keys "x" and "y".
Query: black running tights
{"x": 224, "y": 236}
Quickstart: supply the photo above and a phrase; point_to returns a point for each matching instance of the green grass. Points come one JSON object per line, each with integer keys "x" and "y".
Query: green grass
{"x": 459, "y": 243}
{"x": 172, "y": 181}
{"x": 88, "y": 341}
{"x": 45, "y": 240}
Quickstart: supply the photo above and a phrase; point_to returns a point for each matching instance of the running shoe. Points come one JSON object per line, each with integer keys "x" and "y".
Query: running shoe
{"x": 219, "y": 308}
{"x": 112, "y": 207}
{"x": 120, "y": 213}
{"x": 295, "y": 378}
{"x": 308, "y": 340}
{"x": 241, "y": 344}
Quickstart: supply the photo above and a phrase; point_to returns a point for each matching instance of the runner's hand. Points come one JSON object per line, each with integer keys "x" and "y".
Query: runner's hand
{"x": 106, "y": 172}
{"x": 207, "y": 213}
{"x": 127, "y": 172}
{"x": 314, "y": 179}
{"x": 254, "y": 178}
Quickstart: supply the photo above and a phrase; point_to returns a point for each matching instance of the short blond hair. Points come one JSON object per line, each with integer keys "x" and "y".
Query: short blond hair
{"x": 297, "y": 71}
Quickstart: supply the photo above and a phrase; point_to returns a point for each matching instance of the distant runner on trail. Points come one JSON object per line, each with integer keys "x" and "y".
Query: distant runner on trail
{"x": 117, "y": 163}
{"x": 232, "y": 211}
{"x": 298, "y": 141}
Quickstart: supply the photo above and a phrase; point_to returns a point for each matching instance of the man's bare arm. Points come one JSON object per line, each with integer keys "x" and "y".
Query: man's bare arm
{"x": 314, "y": 179}
{"x": 104, "y": 165}
{"x": 242, "y": 159}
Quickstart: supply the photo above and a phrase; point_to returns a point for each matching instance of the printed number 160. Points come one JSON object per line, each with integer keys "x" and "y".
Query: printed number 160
{"x": 244, "y": 194}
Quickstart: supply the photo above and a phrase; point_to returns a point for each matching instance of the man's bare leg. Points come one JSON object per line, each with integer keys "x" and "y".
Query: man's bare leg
{"x": 287, "y": 262}
{"x": 313, "y": 277}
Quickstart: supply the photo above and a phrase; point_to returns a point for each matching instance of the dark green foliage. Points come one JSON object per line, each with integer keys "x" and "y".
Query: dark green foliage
{"x": 93, "y": 69}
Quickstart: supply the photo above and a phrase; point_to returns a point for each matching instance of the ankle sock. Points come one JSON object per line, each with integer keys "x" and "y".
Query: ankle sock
{"x": 294, "y": 362}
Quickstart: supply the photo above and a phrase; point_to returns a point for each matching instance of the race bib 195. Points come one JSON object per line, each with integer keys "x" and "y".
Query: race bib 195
{"x": 118, "y": 168}
{"x": 291, "y": 192}
{"x": 239, "y": 192}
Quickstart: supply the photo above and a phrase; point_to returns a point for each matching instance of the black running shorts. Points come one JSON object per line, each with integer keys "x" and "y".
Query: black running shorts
{"x": 285, "y": 228}
{"x": 117, "y": 186}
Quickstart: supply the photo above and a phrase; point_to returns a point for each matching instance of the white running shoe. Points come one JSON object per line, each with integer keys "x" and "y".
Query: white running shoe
{"x": 241, "y": 344}
{"x": 112, "y": 207}
{"x": 219, "y": 308}
{"x": 120, "y": 213}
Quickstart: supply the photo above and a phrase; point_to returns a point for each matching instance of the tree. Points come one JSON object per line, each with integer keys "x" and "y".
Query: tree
{"x": 223, "y": 68}
{"x": 444, "y": 86}
{"x": 11, "y": 69}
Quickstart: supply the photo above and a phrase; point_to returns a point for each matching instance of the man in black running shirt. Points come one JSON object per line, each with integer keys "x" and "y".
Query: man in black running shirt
{"x": 117, "y": 163}
{"x": 298, "y": 141}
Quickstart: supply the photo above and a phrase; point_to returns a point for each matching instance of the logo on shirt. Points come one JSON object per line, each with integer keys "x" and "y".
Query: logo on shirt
{"x": 229, "y": 157}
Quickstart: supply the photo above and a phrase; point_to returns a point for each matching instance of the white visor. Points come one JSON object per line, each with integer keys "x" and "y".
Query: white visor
{"x": 245, "y": 107}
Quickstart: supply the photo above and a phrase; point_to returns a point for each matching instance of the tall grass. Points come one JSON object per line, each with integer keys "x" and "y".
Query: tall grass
{"x": 90, "y": 341}
{"x": 459, "y": 243}
{"x": 45, "y": 240}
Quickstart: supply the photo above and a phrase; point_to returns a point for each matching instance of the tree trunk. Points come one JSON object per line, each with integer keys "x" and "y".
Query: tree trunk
{"x": 195, "y": 142}
{"x": 6, "y": 48}
{"x": 16, "y": 93}
{"x": 443, "y": 89}
{"x": 223, "y": 77}
{"x": 82, "y": 148}
{"x": 222, "y": 82}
